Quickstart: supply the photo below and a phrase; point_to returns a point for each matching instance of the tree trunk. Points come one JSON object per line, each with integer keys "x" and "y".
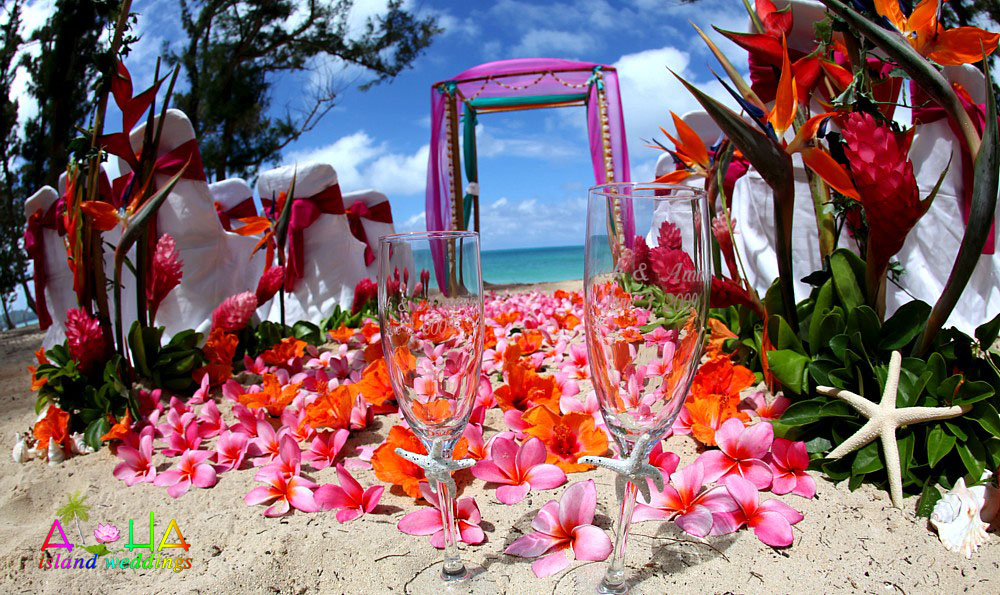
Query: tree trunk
{"x": 27, "y": 296}
{"x": 6, "y": 314}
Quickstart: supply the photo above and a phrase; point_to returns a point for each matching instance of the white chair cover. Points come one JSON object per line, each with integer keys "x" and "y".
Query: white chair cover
{"x": 59, "y": 293}
{"x": 334, "y": 259}
{"x": 216, "y": 263}
{"x": 229, "y": 194}
{"x": 402, "y": 257}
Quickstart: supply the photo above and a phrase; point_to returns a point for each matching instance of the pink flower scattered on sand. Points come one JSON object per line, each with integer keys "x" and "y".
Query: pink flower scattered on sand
{"x": 758, "y": 404}
{"x": 165, "y": 273}
{"x": 289, "y": 460}
{"x": 234, "y": 312}
{"x": 137, "y": 464}
{"x": 106, "y": 533}
{"x": 473, "y": 433}
{"x": 84, "y": 338}
{"x": 560, "y": 526}
{"x": 666, "y": 462}
{"x": 348, "y": 497}
{"x": 210, "y": 420}
{"x": 771, "y": 520}
{"x": 184, "y": 440}
{"x": 294, "y": 420}
{"x": 201, "y": 394}
{"x": 230, "y": 450}
{"x": 789, "y": 462}
{"x": 590, "y": 405}
{"x": 269, "y": 284}
{"x": 427, "y": 521}
{"x": 518, "y": 469}
{"x": 741, "y": 452}
{"x": 190, "y": 470}
{"x": 684, "y": 499}
{"x": 324, "y": 448}
{"x": 267, "y": 442}
{"x": 282, "y": 493}
{"x": 248, "y": 419}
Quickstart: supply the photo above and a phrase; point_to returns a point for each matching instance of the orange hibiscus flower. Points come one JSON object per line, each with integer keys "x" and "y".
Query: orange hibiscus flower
{"x": 530, "y": 341}
{"x": 392, "y": 468}
{"x": 272, "y": 396}
{"x": 342, "y": 334}
{"x": 37, "y": 383}
{"x": 284, "y": 351}
{"x": 566, "y": 437}
{"x": 54, "y": 426}
{"x": 525, "y": 388}
{"x": 219, "y": 350}
{"x": 374, "y": 384}
{"x": 720, "y": 333}
{"x": 715, "y": 395}
{"x": 707, "y": 415}
{"x": 120, "y": 429}
{"x": 332, "y": 409}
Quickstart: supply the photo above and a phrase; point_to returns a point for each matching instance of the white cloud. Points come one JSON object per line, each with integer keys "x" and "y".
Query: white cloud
{"x": 490, "y": 143}
{"x": 507, "y": 223}
{"x": 361, "y": 163}
{"x": 545, "y": 42}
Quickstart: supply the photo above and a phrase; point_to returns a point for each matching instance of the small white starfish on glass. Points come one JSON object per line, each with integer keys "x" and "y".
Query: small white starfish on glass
{"x": 883, "y": 419}
{"x": 635, "y": 468}
{"x": 437, "y": 468}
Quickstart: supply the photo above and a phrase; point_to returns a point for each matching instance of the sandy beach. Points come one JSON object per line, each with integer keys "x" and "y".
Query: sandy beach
{"x": 848, "y": 542}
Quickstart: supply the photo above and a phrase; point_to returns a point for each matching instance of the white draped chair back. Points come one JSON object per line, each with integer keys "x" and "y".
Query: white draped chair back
{"x": 216, "y": 263}
{"x": 59, "y": 294}
{"x": 333, "y": 259}
{"x": 377, "y": 205}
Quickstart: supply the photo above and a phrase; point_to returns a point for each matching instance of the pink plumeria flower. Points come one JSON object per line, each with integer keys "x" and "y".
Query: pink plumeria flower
{"x": 492, "y": 361}
{"x": 560, "y": 526}
{"x": 256, "y": 366}
{"x": 248, "y": 419}
{"x": 741, "y": 452}
{"x": 289, "y": 459}
{"x": 324, "y": 448}
{"x": 210, "y": 419}
{"x": 348, "y": 497}
{"x": 789, "y": 462}
{"x": 660, "y": 336}
{"x": 757, "y": 403}
{"x": 514, "y": 421}
{"x": 231, "y": 391}
{"x": 682, "y": 425}
{"x": 180, "y": 442}
{"x": 518, "y": 470}
{"x": 282, "y": 494}
{"x": 137, "y": 463}
{"x": 684, "y": 500}
{"x": 230, "y": 450}
{"x": 771, "y": 520}
{"x": 106, "y": 533}
{"x": 567, "y": 386}
{"x": 427, "y": 521}
{"x": 267, "y": 443}
{"x": 589, "y": 405}
{"x": 190, "y": 470}
{"x": 577, "y": 365}
{"x": 363, "y": 460}
{"x": 293, "y": 420}
{"x": 201, "y": 394}
{"x": 666, "y": 462}
{"x": 361, "y": 414}
{"x": 473, "y": 433}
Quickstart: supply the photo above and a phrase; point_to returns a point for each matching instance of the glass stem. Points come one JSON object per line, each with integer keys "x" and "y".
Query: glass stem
{"x": 453, "y": 567}
{"x": 614, "y": 580}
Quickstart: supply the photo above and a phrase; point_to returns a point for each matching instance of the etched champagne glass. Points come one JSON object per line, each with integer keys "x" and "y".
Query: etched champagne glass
{"x": 433, "y": 345}
{"x": 646, "y": 290}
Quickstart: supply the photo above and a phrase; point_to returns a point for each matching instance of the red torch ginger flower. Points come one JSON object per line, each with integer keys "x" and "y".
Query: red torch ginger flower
{"x": 165, "y": 274}
{"x": 234, "y": 312}
{"x": 883, "y": 176}
{"x": 364, "y": 291}
{"x": 269, "y": 284}
{"x": 84, "y": 337}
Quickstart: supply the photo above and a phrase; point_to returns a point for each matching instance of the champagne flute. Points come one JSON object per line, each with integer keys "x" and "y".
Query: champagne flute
{"x": 646, "y": 300}
{"x": 433, "y": 345}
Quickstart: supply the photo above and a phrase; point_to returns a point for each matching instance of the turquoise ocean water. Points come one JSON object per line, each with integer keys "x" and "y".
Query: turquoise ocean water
{"x": 532, "y": 265}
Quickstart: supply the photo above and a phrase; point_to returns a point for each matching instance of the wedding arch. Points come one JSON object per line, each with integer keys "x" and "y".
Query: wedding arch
{"x": 505, "y": 86}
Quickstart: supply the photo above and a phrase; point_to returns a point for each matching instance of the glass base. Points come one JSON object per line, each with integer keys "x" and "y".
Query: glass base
{"x": 590, "y": 578}
{"x": 472, "y": 579}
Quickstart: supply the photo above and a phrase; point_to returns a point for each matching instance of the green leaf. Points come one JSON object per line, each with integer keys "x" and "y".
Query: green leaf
{"x": 945, "y": 391}
{"x": 94, "y": 431}
{"x": 986, "y": 416}
{"x": 818, "y": 444}
{"x": 973, "y": 391}
{"x": 992, "y": 447}
{"x": 824, "y": 301}
{"x": 843, "y": 265}
{"x": 905, "y": 445}
{"x": 304, "y": 330}
{"x": 837, "y": 408}
{"x": 987, "y": 333}
{"x": 789, "y": 368}
{"x": 40, "y": 403}
{"x": 100, "y": 549}
{"x": 802, "y": 413}
{"x": 939, "y": 444}
{"x": 868, "y": 460}
{"x": 782, "y": 336}
{"x": 864, "y": 323}
{"x": 956, "y": 431}
{"x": 928, "y": 498}
{"x": 904, "y": 326}
{"x": 973, "y": 457}
{"x": 74, "y": 508}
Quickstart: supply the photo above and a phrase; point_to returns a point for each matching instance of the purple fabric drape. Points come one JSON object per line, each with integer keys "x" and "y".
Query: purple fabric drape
{"x": 523, "y": 78}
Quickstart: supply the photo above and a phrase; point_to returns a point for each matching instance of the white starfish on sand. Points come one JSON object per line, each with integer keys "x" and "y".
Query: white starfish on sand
{"x": 635, "y": 468}
{"x": 437, "y": 468}
{"x": 883, "y": 419}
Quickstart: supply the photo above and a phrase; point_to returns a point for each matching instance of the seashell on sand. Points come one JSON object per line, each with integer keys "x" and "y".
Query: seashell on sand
{"x": 56, "y": 455}
{"x": 23, "y": 448}
{"x": 79, "y": 445}
{"x": 957, "y": 519}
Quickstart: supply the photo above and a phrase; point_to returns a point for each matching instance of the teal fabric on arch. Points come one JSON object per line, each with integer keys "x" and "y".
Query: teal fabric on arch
{"x": 469, "y": 155}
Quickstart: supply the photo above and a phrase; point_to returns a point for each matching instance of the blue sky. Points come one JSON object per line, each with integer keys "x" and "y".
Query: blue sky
{"x": 534, "y": 166}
